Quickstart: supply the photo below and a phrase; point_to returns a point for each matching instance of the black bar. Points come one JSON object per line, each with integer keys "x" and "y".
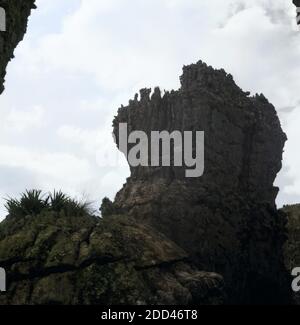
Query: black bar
{"x": 135, "y": 314}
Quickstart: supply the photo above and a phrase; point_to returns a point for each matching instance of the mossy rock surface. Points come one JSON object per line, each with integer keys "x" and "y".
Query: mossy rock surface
{"x": 52, "y": 258}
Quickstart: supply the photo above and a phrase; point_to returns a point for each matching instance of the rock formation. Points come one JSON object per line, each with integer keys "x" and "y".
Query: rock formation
{"x": 291, "y": 248}
{"x": 53, "y": 258}
{"x": 17, "y": 13}
{"x": 226, "y": 220}
{"x": 163, "y": 227}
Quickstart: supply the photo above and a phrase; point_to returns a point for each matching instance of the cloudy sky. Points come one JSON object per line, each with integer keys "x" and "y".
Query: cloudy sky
{"x": 82, "y": 59}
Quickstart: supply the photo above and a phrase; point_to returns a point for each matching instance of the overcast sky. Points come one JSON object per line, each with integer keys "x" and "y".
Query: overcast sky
{"x": 82, "y": 59}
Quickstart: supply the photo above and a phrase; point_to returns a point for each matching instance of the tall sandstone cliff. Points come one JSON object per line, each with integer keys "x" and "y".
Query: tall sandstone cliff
{"x": 227, "y": 219}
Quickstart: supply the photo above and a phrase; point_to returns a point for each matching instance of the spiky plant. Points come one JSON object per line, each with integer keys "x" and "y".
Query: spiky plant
{"x": 75, "y": 207}
{"x": 31, "y": 202}
{"x": 58, "y": 200}
{"x": 13, "y": 207}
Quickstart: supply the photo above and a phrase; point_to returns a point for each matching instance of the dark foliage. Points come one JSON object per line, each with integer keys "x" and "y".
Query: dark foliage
{"x": 33, "y": 202}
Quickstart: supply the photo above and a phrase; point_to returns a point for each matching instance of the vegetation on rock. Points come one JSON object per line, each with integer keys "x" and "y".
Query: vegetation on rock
{"x": 107, "y": 208}
{"x": 33, "y": 202}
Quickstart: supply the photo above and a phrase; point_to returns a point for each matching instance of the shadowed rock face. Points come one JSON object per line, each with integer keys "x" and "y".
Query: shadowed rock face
{"x": 291, "y": 248}
{"x": 17, "y": 13}
{"x": 226, "y": 220}
{"x": 296, "y": 3}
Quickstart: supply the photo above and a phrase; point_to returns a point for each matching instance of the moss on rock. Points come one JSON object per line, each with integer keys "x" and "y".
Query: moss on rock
{"x": 52, "y": 258}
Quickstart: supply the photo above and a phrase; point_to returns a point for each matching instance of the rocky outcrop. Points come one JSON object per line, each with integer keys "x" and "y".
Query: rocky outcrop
{"x": 163, "y": 227}
{"x": 17, "y": 13}
{"x": 292, "y": 246}
{"x": 227, "y": 219}
{"x": 53, "y": 258}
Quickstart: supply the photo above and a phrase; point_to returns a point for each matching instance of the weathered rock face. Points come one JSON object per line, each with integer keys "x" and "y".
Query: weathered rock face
{"x": 226, "y": 219}
{"x": 292, "y": 246}
{"x": 17, "y": 13}
{"x": 57, "y": 259}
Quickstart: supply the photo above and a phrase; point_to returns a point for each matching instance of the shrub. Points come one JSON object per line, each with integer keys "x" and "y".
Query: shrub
{"x": 107, "y": 208}
{"x": 58, "y": 200}
{"x": 33, "y": 202}
{"x": 13, "y": 207}
{"x": 75, "y": 207}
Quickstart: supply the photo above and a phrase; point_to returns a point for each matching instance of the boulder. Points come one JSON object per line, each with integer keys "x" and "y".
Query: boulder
{"x": 53, "y": 258}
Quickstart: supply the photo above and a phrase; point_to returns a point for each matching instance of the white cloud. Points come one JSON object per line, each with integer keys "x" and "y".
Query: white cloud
{"x": 56, "y": 166}
{"x": 20, "y": 121}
